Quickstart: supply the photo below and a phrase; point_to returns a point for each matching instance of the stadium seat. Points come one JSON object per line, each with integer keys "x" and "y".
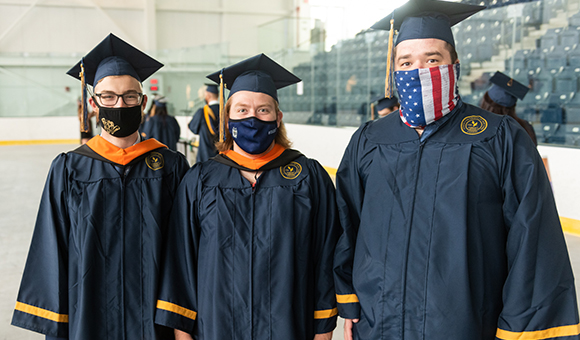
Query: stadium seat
{"x": 572, "y": 134}
{"x": 553, "y": 133}
{"x": 556, "y": 60}
{"x": 536, "y": 59}
{"x": 552, "y": 113}
{"x": 574, "y": 21}
{"x": 573, "y": 115}
{"x": 566, "y": 81}
{"x": 550, "y": 39}
{"x": 570, "y": 36}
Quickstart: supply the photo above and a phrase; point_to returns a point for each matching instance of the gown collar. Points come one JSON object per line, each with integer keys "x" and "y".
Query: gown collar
{"x": 122, "y": 156}
{"x": 277, "y": 157}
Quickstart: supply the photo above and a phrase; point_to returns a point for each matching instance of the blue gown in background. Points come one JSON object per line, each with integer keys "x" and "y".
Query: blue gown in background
{"x": 163, "y": 128}
{"x": 454, "y": 235}
{"x": 199, "y": 126}
{"x": 249, "y": 262}
{"x": 92, "y": 268}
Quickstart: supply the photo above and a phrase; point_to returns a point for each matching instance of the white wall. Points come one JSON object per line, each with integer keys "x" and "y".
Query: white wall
{"x": 75, "y": 26}
{"x": 564, "y": 165}
{"x": 325, "y": 144}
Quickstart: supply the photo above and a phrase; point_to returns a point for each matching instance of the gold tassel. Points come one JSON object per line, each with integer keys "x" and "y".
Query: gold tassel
{"x": 222, "y": 114}
{"x": 389, "y": 78}
{"x": 84, "y": 100}
{"x": 373, "y": 111}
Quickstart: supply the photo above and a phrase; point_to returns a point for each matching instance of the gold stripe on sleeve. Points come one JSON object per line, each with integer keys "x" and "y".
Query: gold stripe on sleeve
{"x": 346, "y": 298}
{"x": 549, "y": 333}
{"x": 43, "y": 313}
{"x": 325, "y": 314}
{"x": 171, "y": 307}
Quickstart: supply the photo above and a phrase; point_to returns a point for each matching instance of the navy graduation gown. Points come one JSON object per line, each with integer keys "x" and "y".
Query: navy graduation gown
{"x": 163, "y": 128}
{"x": 199, "y": 126}
{"x": 251, "y": 263}
{"x": 453, "y": 237}
{"x": 92, "y": 268}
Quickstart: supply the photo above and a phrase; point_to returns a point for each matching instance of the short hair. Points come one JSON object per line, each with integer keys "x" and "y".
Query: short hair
{"x": 448, "y": 47}
{"x": 120, "y": 75}
{"x": 452, "y": 52}
{"x": 228, "y": 143}
{"x": 212, "y": 95}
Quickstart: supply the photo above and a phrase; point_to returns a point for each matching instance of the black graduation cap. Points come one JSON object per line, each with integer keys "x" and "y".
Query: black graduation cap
{"x": 383, "y": 102}
{"x": 115, "y": 57}
{"x": 255, "y": 74}
{"x": 212, "y": 88}
{"x": 422, "y": 19}
{"x": 111, "y": 57}
{"x": 505, "y": 91}
{"x": 425, "y": 19}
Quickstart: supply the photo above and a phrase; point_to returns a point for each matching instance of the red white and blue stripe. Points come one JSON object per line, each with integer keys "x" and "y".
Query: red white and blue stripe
{"x": 427, "y": 94}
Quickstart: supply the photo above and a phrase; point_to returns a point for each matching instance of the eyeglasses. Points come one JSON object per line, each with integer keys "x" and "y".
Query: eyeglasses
{"x": 111, "y": 99}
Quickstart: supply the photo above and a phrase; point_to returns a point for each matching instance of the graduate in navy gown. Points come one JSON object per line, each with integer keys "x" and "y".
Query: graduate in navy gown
{"x": 253, "y": 230}
{"x": 501, "y": 98}
{"x": 160, "y": 125}
{"x": 205, "y": 124}
{"x": 92, "y": 268}
{"x": 450, "y": 225}
{"x": 385, "y": 106}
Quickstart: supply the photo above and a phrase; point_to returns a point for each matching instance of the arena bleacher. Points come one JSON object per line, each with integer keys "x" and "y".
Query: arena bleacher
{"x": 537, "y": 42}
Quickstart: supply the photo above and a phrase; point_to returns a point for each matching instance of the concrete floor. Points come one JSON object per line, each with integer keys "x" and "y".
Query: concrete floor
{"x": 22, "y": 176}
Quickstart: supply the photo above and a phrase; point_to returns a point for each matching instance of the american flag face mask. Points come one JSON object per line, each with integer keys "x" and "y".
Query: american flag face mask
{"x": 427, "y": 94}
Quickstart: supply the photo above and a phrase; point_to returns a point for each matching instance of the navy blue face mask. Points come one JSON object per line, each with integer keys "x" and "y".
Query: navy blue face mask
{"x": 253, "y": 135}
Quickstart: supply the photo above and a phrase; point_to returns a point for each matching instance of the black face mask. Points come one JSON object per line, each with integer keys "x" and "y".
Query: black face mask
{"x": 120, "y": 121}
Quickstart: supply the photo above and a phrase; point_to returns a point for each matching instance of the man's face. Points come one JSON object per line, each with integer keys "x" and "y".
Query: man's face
{"x": 247, "y": 104}
{"x": 421, "y": 53}
{"x": 117, "y": 85}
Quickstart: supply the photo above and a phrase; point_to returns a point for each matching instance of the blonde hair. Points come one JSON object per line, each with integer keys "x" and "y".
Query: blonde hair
{"x": 228, "y": 144}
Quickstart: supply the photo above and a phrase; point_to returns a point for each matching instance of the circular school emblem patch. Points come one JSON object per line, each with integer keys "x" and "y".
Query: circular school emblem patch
{"x": 154, "y": 161}
{"x": 473, "y": 125}
{"x": 291, "y": 170}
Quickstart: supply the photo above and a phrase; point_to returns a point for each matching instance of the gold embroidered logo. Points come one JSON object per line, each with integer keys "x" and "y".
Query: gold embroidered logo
{"x": 155, "y": 161}
{"x": 109, "y": 126}
{"x": 473, "y": 125}
{"x": 291, "y": 170}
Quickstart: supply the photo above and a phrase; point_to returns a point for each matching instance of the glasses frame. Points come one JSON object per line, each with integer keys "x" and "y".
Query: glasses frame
{"x": 119, "y": 96}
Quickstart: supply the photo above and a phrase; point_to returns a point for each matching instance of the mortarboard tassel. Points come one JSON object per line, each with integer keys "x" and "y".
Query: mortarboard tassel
{"x": 389, "y": 78}
{"x": 85, "y": 115}
{"x": 222, "y": 114}
{"x": 373, "y": 111}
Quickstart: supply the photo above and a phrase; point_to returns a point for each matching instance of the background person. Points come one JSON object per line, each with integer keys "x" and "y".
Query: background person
{"x": 502, "y": 97}
{"x": 385, "y": 105}
{"x": 160, "y": 125}
{"x": 205, "y": 124}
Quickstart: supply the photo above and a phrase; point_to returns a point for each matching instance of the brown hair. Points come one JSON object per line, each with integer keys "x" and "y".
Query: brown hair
{"x": 228, "y": 144}
{"x": 488, "y": 104}
{"x": 453, "y": 53}
{"x": 448, "y": 46}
